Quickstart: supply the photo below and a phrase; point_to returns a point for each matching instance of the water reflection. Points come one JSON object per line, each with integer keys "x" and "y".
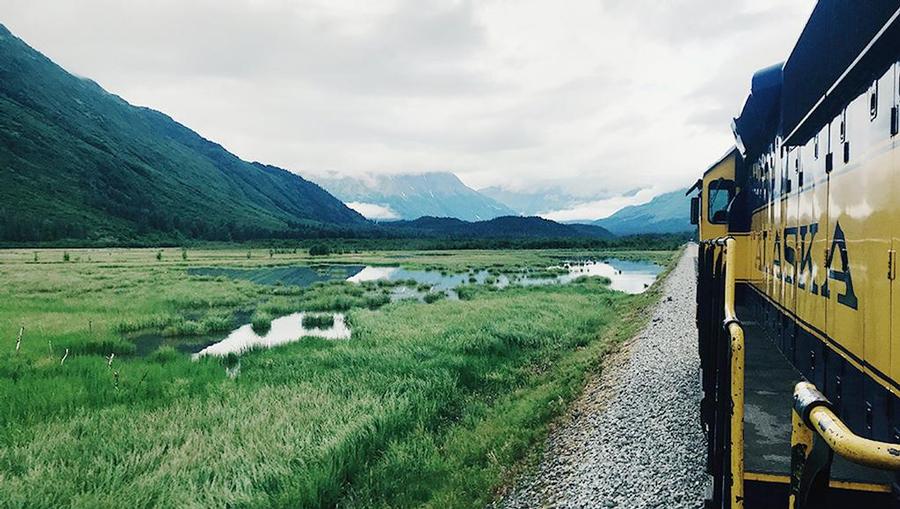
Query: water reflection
{"x": 294, "y": 275}
{"x": 433, "y": 279}
{"x": 625, "y": 275}
{"x": 286, "y": 329}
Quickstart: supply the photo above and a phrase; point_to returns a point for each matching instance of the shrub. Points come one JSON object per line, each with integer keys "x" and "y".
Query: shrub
{"x": 217, "y": 323}
{"x": 164, "y": 355}
{"x": 466, "y": 292}
{"x": 376, "y": 301}
{"x": 148, "y": 322}
{"x": 231, "y": 360}
{"x": 318, "y": 321}
{"x": 319, "y": 250}
{"x": 432, "y": 297}
{"x": 183, "y": 328}
{"x": 105, "y": 347}
{"x": 261, "y": 321}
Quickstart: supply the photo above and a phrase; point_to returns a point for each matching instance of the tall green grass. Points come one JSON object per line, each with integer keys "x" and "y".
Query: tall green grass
{"x": 428, "y": 405}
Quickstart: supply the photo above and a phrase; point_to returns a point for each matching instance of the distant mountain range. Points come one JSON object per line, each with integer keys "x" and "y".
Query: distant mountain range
{"x": 410, "y": 196}
{"x": 79, "y": 162}
{"x": 500, "y": 227}
{"x": 666, "y": 213}
{"x": 532, "y": 203}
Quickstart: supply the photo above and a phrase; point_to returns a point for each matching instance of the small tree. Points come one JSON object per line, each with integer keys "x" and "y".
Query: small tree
{"x": 184, "y": 253}
{"x": 159, "y": 256}
{"x": 319, "y": 250}
{"x": 65, "y": 256}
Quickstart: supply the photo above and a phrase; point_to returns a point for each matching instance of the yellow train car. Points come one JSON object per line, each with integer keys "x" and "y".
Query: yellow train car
{"x": 799, "y": 226}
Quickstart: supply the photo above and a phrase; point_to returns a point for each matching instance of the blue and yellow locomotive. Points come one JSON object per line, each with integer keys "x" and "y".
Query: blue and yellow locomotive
{"x": 797, "y": 274}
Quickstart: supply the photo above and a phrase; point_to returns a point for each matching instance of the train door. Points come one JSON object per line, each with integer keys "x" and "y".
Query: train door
{"x": 771, "y": 196}
{"x": 895, "y": 238}
{"x": 811, "y": 228}
{"x": 856, "y": 284}
{"x": 875, "y": 288}
{"x": 790, "y": 247}
{"x": 777, "y": 229}
{"x": 773, "y": 241}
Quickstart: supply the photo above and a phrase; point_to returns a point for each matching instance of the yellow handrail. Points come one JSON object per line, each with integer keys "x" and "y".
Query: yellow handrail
{"x": 736, "y": 332}
{"x": 736, "y": 335}
{"x": 817, "y": 414}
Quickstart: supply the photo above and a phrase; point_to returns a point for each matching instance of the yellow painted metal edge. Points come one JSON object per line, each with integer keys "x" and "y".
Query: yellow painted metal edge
{"x": 860, "y": 486}
{"x": 770, "y": 478}
{"x": 841, "y": 485}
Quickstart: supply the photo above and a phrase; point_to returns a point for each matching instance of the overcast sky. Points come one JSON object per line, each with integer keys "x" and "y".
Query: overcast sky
{"x": 597, "y": 97}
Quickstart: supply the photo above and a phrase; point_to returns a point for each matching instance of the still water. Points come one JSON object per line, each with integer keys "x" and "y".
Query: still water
{"x": 286, "y": 329}
{"x": 625, "y": 275}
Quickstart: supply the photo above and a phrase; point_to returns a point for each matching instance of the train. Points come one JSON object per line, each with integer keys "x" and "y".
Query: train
{"x": 798, "y": 299}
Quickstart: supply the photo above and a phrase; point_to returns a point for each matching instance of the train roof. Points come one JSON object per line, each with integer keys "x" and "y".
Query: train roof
{"x": 728, "y": 153}
{"x": 837, "y": 33}
{"x": 760, "y": 119}
{"x": 844, "y": 46}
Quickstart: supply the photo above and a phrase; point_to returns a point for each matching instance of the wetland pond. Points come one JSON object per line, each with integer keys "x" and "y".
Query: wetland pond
{"x": 286, "y": 329}
{"x": 410, "y": 284}
{"x": 625, "y": 275}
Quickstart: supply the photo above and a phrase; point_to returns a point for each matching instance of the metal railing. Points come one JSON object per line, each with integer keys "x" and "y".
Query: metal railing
{"x": 817, "y": 434}
{"x": 722, "y": 366}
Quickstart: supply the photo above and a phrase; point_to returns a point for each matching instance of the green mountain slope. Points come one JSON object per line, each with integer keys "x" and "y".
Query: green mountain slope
{"x": 666, "y": 213}
{"x": 409, "y": 196}
{"x": 78, "y": 162}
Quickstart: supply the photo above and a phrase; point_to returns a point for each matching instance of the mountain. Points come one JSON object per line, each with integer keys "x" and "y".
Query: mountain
{"x": 500, "y": 227}
{"x": 409, "y": 196}
{"x": 78, "y": 162}
{"x": 528, "y": 203}
{"x": 666, "y": 213}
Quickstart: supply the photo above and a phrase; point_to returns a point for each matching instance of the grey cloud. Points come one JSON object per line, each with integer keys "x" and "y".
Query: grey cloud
{"x": 694, "y": 21}
{"x": 592, "y": 98}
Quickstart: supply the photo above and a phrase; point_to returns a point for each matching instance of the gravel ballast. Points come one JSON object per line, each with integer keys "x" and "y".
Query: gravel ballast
{"x": 633, "y": 438}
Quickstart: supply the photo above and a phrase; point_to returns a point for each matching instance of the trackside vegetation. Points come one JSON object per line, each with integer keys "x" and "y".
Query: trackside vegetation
{"x": 429, "y": 404}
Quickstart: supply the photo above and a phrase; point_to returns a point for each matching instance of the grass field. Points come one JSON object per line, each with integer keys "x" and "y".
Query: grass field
{"x": 432, "y": 404}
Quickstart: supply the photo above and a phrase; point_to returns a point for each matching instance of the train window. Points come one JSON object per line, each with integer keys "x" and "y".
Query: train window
{"x": 719, "y": 195}
{"x": 844, "y": 126}
{"x": 895, "y": 121}
{"x": 816, "y": 147}
{"x": 873, "y": 101}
